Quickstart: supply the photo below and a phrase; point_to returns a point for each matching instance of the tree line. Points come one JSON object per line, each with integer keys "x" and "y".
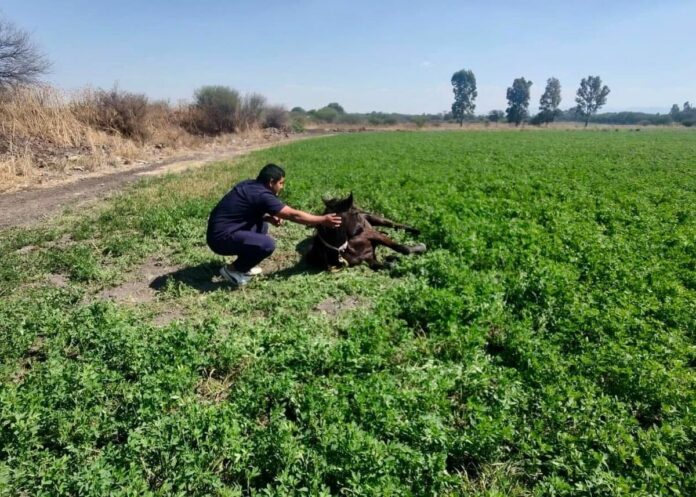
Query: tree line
{"x": 686, "y": 115}
{"x": 223, "y": 109}
{"x": 590, "y": 97}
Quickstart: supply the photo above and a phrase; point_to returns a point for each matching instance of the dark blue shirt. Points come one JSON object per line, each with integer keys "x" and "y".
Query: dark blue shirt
{"x": 242, "y": 208}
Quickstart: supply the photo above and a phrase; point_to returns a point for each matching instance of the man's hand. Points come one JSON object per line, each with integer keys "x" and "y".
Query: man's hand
{"x": 274, "y": 220}
{"x": 331, "y": 221}
{"x": 300, "y": 217}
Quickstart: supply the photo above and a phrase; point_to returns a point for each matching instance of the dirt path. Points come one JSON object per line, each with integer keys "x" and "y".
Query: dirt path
{"x": 38, "y": 204}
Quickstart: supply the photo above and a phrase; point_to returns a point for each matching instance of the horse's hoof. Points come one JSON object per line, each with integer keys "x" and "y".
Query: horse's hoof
{"x": 419, "y": 248}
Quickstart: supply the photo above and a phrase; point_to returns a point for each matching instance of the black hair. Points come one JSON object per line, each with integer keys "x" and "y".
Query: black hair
{"x": 270, "y": 172}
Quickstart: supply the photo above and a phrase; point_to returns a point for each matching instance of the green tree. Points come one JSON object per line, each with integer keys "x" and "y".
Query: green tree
{"x": 464, "y": 89}
{"x": 590, "y": 97}
{"x": 218, "y": 106}
{"x": 326, "y": 114}
{"x": 674, "y": 112}
{"x": 518, "y": 101}
{"x": 550, "y": 100}
{"x": 337, "y": 107}
{"x": 495, "y": 116}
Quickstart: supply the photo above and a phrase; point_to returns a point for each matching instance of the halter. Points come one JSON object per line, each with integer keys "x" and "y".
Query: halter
{"x": 340, "y": 249}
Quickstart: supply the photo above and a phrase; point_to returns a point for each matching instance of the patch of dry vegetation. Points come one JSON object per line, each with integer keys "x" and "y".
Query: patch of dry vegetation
{"x": 45, "y": 133}
{"x": 41, "y": 132}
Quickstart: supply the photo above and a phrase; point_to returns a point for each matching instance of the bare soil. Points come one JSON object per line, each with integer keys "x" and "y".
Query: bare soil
{"x": 140, "y": 286}
{"x": 333, "y": 307}
{"x": 39, "y": 203}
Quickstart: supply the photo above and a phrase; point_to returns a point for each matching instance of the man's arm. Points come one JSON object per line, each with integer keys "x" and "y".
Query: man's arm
{"x": 301, "y": 217}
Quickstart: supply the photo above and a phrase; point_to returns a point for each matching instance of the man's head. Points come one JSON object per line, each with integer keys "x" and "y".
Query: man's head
{"x": 273, "y": 177}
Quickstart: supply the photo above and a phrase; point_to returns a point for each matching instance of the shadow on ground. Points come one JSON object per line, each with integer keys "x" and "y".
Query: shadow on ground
{"x": 205, "y": 277}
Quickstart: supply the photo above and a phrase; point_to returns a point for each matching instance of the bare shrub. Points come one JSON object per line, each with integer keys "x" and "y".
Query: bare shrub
{"x": 115, "y": 111}
{"x": 166, "y": 127}
{"x": 348, "y": 119}
{"x": 250, "y": 111}
{"x": 419, "y": 121}
{"x": 189, "y": 117}
{"x": 276, "y": 116}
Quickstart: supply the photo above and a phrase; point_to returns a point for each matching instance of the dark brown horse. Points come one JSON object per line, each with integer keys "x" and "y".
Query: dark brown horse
{"x": 355, "y": 241}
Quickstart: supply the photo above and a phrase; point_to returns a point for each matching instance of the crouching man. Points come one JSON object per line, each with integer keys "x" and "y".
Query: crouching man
{"x": 238, "y": 225}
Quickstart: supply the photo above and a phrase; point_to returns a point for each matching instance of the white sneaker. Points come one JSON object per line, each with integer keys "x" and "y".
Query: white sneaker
{"x": 234, "y": 277}
{"x": 254, "y": 271}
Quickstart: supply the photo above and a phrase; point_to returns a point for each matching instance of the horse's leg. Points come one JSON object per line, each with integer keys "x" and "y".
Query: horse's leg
{"x": 376, "y": 220}
{"x": 360, "y": 249}
{"x": 388, "y": 262}
{"x": 379, "y": 238}
{"x": 376, "y": 265}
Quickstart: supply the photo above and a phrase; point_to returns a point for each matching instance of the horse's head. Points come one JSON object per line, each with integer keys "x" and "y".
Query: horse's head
{"x": 350, "y": 216}
{"x": 338, "y": 205}
{"x": 350, "y": 222}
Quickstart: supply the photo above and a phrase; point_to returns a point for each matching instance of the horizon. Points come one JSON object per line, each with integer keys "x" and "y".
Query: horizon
{"x": 368, "y": 56}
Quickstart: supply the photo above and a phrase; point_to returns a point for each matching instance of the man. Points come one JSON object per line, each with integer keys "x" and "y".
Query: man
{"x": 238, "y": 225}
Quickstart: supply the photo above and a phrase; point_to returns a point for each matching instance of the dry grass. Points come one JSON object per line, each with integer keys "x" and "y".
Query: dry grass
{"x": 45, "y": 132}
{"x": 39, "y": 112}
{"x": 40, "y": 135}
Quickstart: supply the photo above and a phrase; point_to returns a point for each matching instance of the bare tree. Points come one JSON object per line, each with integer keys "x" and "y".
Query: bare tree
{"x": 21, "y": 62}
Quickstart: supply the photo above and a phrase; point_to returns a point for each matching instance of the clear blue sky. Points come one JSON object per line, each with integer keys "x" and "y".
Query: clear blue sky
{"x": 393, "y": 56}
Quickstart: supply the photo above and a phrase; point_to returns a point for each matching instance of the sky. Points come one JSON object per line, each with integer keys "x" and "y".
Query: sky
{"x": 390, "y": 56}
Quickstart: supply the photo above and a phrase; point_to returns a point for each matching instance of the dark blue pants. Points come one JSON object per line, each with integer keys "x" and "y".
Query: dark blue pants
{"x": 250, "y": 247}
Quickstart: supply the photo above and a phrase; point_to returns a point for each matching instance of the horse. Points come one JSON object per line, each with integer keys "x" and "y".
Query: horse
{"x": 355, "y": 241}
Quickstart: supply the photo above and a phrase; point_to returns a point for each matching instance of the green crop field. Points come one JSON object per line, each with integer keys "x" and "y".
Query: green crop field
{"x": 544, "y": 345}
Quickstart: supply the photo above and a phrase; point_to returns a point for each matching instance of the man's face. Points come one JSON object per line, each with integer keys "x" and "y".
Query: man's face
{"x": 277, "y": 186}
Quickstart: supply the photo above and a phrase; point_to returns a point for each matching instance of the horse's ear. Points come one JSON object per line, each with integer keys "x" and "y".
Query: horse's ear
{"x": 345, "y": 204}
{"x": 329, "y": 202}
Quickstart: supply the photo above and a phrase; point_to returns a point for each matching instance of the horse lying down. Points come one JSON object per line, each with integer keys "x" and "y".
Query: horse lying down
{"x": 355, "y": 241}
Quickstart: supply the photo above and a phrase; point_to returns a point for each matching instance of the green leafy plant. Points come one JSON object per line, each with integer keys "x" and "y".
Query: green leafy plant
{"x": 542, "y": 346}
